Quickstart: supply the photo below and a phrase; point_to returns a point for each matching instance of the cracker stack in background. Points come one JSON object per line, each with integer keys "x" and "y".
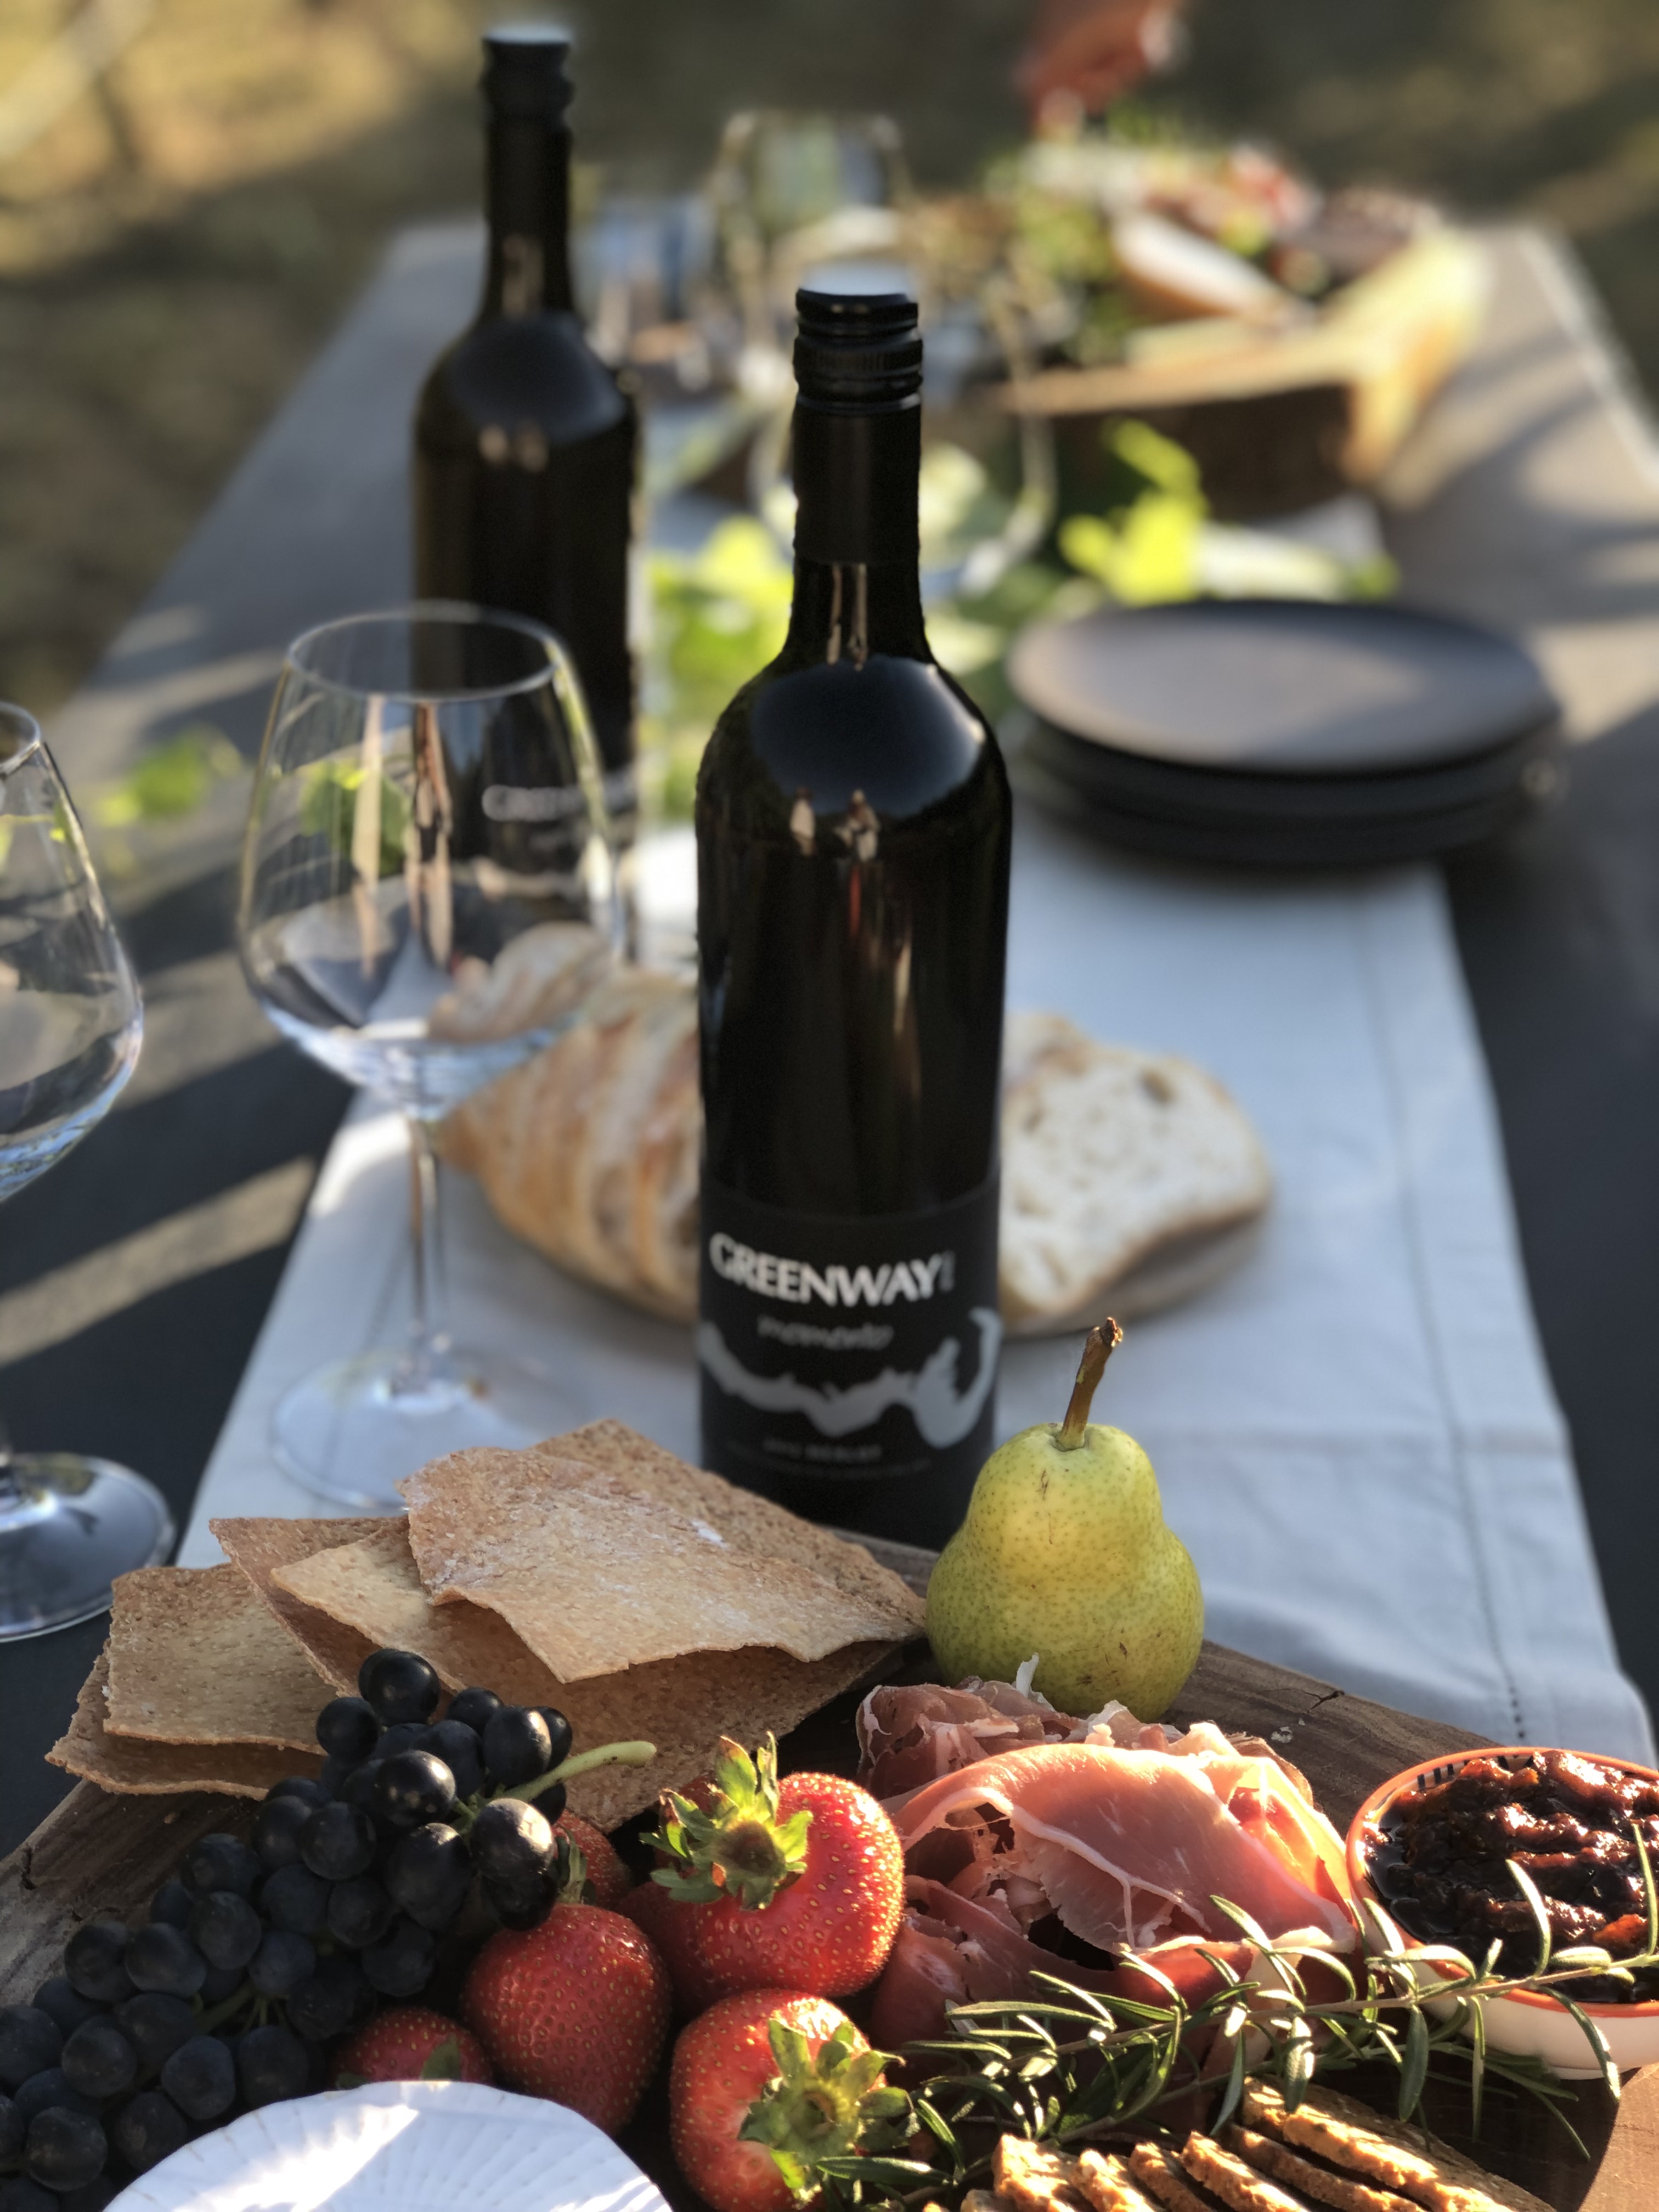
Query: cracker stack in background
{"x": 595, "y": 1572}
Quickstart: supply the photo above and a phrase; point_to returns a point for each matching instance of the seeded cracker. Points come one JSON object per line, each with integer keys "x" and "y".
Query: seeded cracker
{"x": 1239, "y": 2186}
{"x": 638, "y": 1579}
{"x": 1338, "y": 2190}
{"x": 1106, "y": 2181}
{"x": 1159, "y": 2172}
{"x": 1035, "y": 2178}
{"x": 195, "y": 1657}
{"x": 1352, "y": 2135}
{"x": 126, "y": 1764}
{"x": 259, "y": 1547}
{"x": 684, "y": 1706}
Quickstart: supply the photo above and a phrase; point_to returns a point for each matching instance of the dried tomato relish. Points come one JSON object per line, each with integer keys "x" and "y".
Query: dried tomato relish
{"x": 1441, "y": 1862}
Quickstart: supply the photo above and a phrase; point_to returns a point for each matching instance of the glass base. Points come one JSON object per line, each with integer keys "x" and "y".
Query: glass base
{"x": 68, "y": 1527}
{"x": 351, "y": 1432}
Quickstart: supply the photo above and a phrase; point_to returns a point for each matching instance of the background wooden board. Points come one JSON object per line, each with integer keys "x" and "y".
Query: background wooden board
{"x": 103, "y": 1855}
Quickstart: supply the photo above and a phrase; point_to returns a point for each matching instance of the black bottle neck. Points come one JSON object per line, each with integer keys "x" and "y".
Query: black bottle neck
{"x": 858, "y": 590}
{"x": 527, "y": 201}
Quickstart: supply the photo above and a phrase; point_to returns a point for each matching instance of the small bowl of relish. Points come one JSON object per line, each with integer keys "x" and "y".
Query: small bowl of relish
{"x": 1434, "y": 1847}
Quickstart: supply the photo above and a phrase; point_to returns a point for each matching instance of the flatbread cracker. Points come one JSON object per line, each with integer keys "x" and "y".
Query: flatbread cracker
{"x": 1340, "y": 2190}
{"x": 1239, "y": 2185}
{"x": 196, "y": 1657}
{"x": 374, "y": 1587}
{"x": 129, "y": 1766}
{"x": 745, "y": 1518}
{"x": 684, "y": 1705}
{"x": 1402, "y": 2158}
{"x": 259, "y": 1547}
{"x": 596, "y": 1571}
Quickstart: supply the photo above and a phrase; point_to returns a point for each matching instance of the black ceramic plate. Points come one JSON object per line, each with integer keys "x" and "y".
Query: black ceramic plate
{"x": 1285, "y": 733}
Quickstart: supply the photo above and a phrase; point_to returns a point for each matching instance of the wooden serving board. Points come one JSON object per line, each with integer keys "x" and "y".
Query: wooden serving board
{"x": 102, "y": 1855}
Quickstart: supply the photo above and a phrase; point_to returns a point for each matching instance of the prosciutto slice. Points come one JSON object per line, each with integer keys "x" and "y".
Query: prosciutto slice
{"x": 911, "y": 1733}
{"x": 1129, "y": 1847}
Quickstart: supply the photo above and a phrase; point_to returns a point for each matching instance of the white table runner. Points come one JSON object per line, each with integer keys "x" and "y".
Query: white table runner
{"x": 1354, "y": 1435}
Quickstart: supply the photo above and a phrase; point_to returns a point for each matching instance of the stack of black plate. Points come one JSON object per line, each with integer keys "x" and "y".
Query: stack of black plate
{"x": 1284, "y": 734}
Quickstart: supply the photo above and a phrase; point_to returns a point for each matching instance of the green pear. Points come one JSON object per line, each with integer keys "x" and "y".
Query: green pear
{"x": 1064, "y": 1554}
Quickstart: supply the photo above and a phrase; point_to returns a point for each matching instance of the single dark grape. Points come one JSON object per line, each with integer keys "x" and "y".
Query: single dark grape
{"x": 400, "y": 1685}
{"x": 13, "y": 2129}
{"x": 517, "y": 1746}
{"x": 155, "y": 2025}
{"x": 47, "y": 2089}
{"x": 407, "y": 1735}
{"x": 359, "y": 1912}
{"x": 327, "y": 2004}
{"x": 511, "y": 1840}
{"x": 221, "y": 1982}
{"x": 337, "y": 1773}
{"x": 304, "y": 1787}
{"x": 459, "y": 1747}
{"x": 172, "y": 1904}
{"x": 281, "y": 1962}
{"x": 294, "y": 1900}
{"x": 276, "y": 1830}
{"x": 99, "y": 2061}
{"x": 550, "y": 1802}
{"x": 19, "y": 2194}
{"x": 348, "y": 1729}
{"x": 223, "y": 1863}
{"x": 271, "y": 2063}
{"x": 30, "y": 2040}
{"x": 472, "y": 1708}
{"x": 200, "y": 2077}
{"x": 159, "y": 1956}
{"x": 403, "y": 1964}
{"x": 520, "y": 1901}
{"x": 226, "y": 1928}
{"x": 149, "y": 2128}
{"x": 65, "y": 2149}
{"x": 94, "y": 1961}
{"x": 65, "y": 2006}
{"x": 428, "y": 1875}
{"x": 412, "y": 1788}
{"x": 336, "y": 1842}
{"x": 559, "y": 1735}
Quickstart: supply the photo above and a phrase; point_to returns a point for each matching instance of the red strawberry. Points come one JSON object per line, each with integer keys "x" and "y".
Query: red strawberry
{"x": 673, "y": 1929}
{"x": 610, "y": 1879}
{"x": 576, "y": 2010}
{"x": 796, "y": 1884}
{"x": 765, "y": 2083}
{"x": 407, "y": 2043}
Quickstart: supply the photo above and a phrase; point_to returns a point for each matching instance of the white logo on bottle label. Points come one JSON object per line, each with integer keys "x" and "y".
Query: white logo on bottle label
{"x": 943, "y": 1415}
{"x": 798, "y": 1283}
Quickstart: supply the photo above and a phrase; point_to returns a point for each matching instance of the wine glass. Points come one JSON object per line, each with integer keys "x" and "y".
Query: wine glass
{"x": 428, "y": 899}
{"x": 70, "y": 1028}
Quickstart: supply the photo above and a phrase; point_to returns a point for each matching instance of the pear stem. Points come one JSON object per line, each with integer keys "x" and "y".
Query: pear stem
{"x": 1098, "y": 1346}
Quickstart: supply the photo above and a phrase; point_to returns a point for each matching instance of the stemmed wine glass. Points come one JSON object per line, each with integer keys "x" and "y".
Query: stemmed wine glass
{"x": 428, "y": 899}
{"x": 70, "y": 1022}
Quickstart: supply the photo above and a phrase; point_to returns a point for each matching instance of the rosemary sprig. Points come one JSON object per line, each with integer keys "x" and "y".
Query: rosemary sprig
{"x": 1072, "y": 2065}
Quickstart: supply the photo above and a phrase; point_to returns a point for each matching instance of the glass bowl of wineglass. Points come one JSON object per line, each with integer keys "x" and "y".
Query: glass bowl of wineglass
{"x": 428, "y": 899}
{"x": 70, "y": 1022}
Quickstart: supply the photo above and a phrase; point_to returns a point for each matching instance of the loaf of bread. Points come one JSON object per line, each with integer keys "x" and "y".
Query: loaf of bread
{"x": 1126, "y": 1175}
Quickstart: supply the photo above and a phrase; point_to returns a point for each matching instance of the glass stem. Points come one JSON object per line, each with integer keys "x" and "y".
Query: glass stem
{"x": 10, "y": 1494}
{"x": 428, "y": 1324}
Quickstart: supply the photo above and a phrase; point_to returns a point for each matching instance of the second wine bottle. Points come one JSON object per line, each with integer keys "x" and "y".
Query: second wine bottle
{"x": 852, "y": 837}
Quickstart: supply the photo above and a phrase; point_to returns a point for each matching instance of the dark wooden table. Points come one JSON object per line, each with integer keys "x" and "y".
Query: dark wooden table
{"x": 134, "y": 1278}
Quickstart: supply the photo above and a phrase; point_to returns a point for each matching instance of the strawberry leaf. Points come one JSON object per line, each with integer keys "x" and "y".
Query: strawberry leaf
{"x": 443, "y": 2061}
{"x": 736, "y": 1847}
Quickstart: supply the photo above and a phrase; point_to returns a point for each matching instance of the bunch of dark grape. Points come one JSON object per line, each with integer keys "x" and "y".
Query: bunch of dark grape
{"x": 256, "y": 1955}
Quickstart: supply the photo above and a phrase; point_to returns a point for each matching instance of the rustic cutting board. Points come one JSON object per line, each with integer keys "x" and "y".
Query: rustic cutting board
{"x": 99, "y": 1854}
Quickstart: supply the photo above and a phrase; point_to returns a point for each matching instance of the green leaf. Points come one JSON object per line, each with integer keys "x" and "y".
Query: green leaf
{"x": 1539, "y": 1911}
{"x": 443, "y": 2061}
{"x": 1598, "y": 2044}
{"x": 1414, "y": 2069}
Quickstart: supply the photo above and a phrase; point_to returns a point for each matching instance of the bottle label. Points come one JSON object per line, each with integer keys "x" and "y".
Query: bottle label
{"x": 864, "y": 1347}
